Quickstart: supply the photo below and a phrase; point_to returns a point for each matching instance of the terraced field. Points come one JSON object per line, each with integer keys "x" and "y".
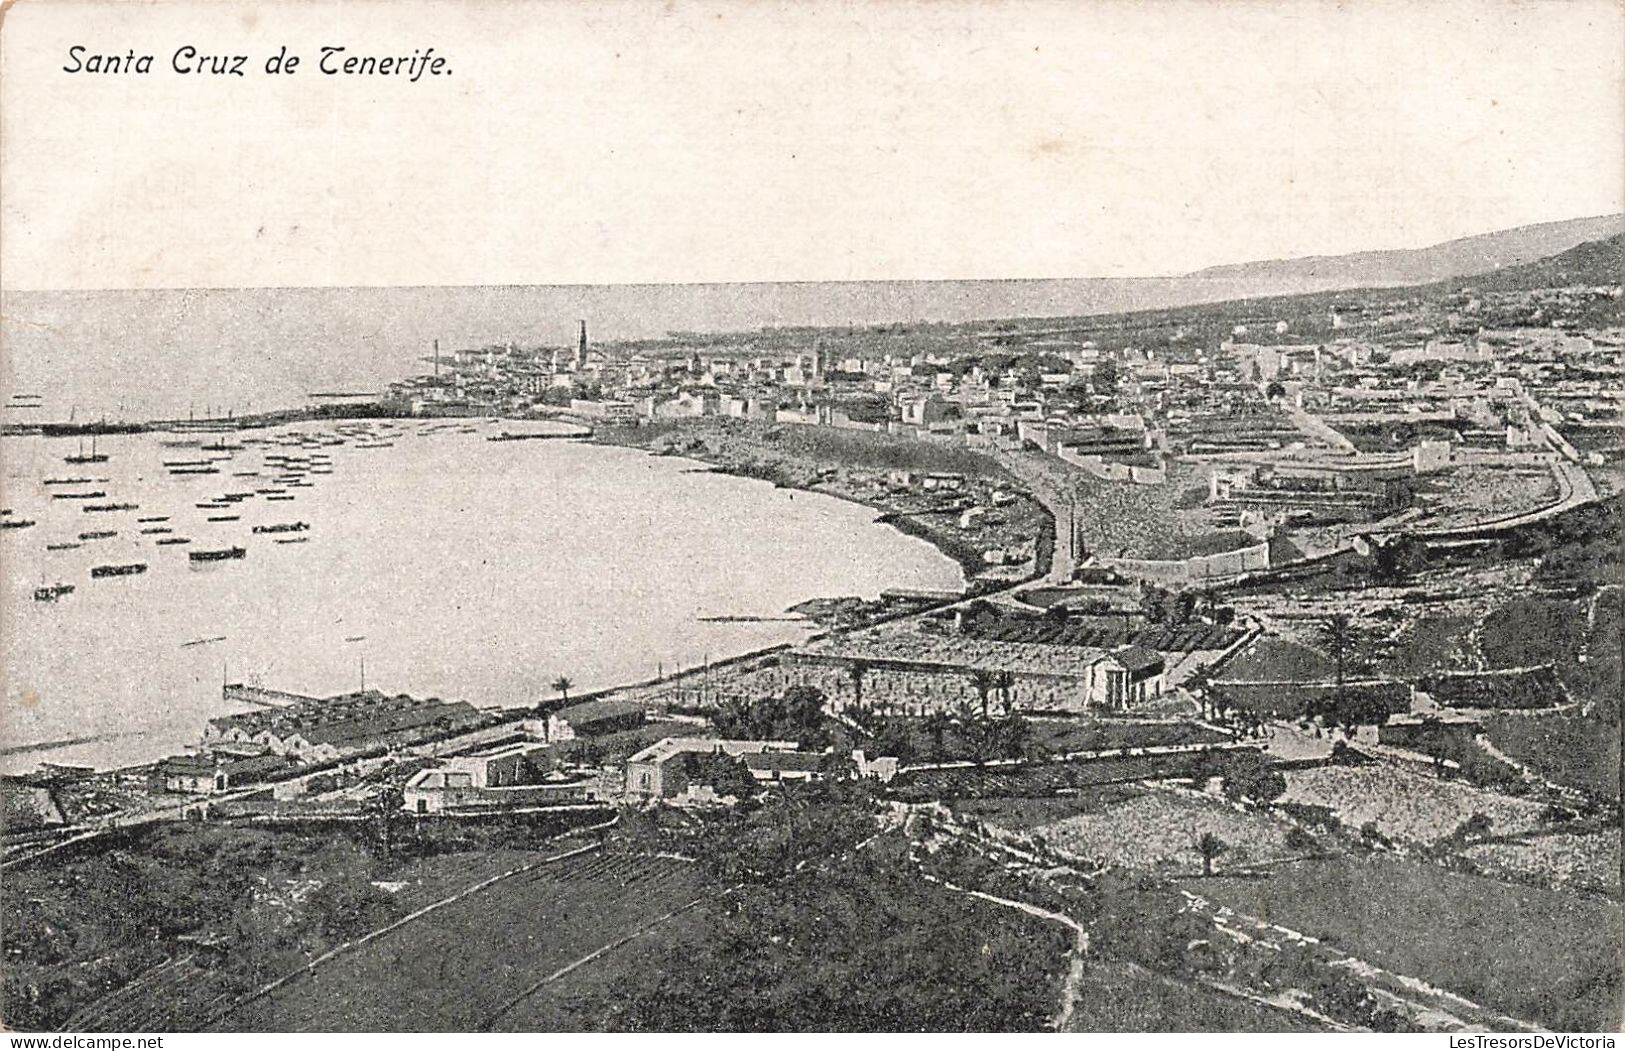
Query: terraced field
{"x": 1585, "y": 862}
{"x": 1119, "y": 997}
{"x": 1043, "y": 779}
{"x": 459, "y": 967}
{"x": 563, "y": 1005}
{"x": 1407, "y": 806}
{"x": 1542, "y": 955}
{"x": 1159, "y": 829}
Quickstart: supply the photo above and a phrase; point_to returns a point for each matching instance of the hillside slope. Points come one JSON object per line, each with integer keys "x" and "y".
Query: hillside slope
{"x": 1422, "y": 266}
{"x": 1592, "y": 263}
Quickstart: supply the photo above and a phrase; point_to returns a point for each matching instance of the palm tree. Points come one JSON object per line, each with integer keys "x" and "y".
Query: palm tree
{"x": 856, "y": 670}
{"x": 1004, "y": 681}
{"x": 380, "y": 809}
{"x": 1013, "y": 735}
{"x": 1340, "y": 626}
{"x": 937, "y": 724}
{"x": 984, "y": 681}
{"x": 562, "y": 684}
{"x": 1210, "y": 847}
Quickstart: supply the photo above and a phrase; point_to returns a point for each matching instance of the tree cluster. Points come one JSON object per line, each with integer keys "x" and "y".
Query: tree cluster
{"x": 859, "y": 944}
{"x": 1175, "y": 609}
{"x": 795, "y": 715}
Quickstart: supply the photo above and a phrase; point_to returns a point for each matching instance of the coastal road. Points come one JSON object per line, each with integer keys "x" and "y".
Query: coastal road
{"x": 1574, "y": 487}
{"x": 1317, "y": 428}
{"x": 1049, "y": 486}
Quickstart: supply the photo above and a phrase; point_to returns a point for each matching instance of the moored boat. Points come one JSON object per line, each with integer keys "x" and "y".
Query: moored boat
{"x": 82, "y": 457}
{"x": 128, "y": 569}
{"x": 283, "y": 527}
{"x": 217, "y": 555}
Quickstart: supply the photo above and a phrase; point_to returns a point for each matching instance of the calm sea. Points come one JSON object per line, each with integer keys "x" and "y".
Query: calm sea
{"x": 449, "y": 565}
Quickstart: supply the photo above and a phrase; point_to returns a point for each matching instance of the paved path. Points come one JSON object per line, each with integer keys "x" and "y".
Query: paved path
{"x": 1315, "y": 427}
{"x": 1574, "y": 487}
{"x": 1050, "y": 488}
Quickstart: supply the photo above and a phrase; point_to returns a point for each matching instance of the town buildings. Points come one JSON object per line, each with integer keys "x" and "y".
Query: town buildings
{"x": 593, "y": 717}
{"x": 672, "y": 767}
{"x": 208, "y": 773}
{"x": 916, "y": 673}
{"x": 323, "y": 729}
{"x": 505, "y": 776}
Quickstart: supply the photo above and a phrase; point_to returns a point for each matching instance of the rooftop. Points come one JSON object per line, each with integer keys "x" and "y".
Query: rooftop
{"x": 591, "y": 711}
{"x": 958, "y": 652}
{"x": 346, "y": 717}
{"x": 1138, "y": 658}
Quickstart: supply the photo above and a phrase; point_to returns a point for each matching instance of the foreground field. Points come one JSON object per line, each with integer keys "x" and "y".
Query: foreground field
{"x": 1546, "y": 956}
{"x": 1052, "y": 778}
{"x": 857, "y": 942}
{"x": 1588, "y": 862}
{"x": 1567, "y": 748}
{"x": 121, "y": 937}
{"x": 1159, "y": 828}
{"x": 1115, "y": 996}
{"x": 569, "y": 1003}
{"x": 457, "y": 968}
{"x": 1406, "y": 806}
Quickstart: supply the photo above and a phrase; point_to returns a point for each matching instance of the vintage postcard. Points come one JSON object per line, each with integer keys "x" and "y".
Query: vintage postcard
{"x": 882, "y": 517}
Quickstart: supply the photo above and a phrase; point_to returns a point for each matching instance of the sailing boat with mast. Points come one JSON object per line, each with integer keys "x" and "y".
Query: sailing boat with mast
{"x": 82, "y": 457}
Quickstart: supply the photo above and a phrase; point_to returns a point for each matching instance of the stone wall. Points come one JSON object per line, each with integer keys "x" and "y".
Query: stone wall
{"x": 1197, "y": 569}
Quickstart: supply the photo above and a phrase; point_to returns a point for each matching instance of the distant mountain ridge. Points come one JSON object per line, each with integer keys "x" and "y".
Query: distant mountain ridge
{"x": 1461, "y": 258}
{"x": 1591, "y": 263}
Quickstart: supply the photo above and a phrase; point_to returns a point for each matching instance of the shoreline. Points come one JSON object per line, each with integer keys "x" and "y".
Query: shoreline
{"x": 42, "y": 752}
{"x": 960, "y": 551}
{"x": 382, "y": 409}
{"x": 376, "y": 410}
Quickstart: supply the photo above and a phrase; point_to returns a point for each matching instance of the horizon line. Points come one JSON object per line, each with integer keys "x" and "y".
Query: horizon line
{"x": 1200, "y": 274}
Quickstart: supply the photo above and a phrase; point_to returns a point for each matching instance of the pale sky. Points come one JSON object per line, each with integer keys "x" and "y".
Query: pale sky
{"x": 629, "y": 142}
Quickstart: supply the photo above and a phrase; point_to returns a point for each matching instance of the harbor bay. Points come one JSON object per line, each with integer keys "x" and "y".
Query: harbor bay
{"x": 431, "y": 562}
